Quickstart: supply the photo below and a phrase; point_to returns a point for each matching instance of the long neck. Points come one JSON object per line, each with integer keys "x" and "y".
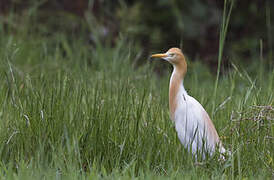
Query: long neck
{"x": 176, "y": 81}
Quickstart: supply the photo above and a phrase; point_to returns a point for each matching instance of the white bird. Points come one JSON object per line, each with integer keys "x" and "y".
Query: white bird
{"x": 193, "y": 125}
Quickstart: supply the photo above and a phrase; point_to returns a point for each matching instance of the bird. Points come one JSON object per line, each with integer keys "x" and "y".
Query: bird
{"x": 194, "y": 127}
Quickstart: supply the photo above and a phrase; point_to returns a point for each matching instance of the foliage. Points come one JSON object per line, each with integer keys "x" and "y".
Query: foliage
{"x": 73, "y": 112}
{"x": 78, "y": 108}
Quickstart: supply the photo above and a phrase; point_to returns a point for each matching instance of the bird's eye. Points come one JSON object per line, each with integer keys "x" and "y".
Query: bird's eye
{"x": 171, "y": 55}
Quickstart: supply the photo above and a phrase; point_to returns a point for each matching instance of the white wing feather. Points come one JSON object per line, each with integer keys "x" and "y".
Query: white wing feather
{"x": 192, "y": 128}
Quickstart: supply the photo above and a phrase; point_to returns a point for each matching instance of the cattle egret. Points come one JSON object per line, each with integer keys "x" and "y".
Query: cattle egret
{"x": 193, "y": 125}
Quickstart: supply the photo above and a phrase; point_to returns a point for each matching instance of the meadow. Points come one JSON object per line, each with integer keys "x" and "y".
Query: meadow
{"x": 69, "y": 110}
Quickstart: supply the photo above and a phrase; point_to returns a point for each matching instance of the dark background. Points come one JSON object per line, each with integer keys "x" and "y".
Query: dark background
{"x": 153, "y": 26}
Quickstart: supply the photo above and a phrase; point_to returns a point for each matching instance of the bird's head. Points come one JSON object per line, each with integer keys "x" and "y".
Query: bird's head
{"x": 176, "y": 58}
{"x": 173, "y": 56}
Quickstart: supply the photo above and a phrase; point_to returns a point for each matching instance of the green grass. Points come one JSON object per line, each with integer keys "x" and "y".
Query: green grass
{"x": 70, "y": 111}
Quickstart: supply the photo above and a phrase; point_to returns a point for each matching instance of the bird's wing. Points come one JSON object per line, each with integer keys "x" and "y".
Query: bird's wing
{"x": 194, "y": 125}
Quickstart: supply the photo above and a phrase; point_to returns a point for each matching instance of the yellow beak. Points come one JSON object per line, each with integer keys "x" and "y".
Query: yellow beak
{"x": 158, "y": 56}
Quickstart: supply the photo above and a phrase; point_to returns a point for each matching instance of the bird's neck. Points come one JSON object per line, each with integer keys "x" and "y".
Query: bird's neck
{"x": 175, "y": 85}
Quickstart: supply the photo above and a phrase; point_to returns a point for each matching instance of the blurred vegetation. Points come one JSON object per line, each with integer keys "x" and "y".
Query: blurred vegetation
{"x": 153, "y": 25}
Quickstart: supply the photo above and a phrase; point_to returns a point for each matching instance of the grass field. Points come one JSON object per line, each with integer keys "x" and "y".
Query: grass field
{"x": 72, "y": 111}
